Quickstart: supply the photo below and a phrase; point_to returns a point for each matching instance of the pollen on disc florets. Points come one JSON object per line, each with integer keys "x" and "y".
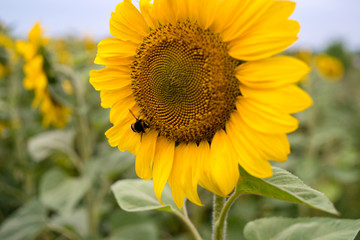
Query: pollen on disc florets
{"x": 184, "y": 81}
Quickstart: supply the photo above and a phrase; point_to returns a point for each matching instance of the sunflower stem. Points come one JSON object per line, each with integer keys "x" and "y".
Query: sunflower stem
{"x": 18, "y": 136}
{"x": 218, "y": 229}
{"x": 85, "y": 146}
{"x": 185, "y": 218}
{"x": 220, "y": 213}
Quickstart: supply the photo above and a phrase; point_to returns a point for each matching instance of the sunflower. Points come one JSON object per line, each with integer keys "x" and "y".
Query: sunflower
{"x": 36, "y": 78}
{"x": 206, "y": 91}
{"x": 329, "y": 67}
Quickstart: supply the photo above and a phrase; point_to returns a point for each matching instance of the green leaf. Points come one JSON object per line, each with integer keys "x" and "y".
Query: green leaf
{"x": 135, "y": 195}
{"x": 43, "y": 145}
{"x": 26, "y": 223}
{"x": 285, "y": 186}
{"x": 142, "y": 231}
{"x": 302, "y": 228}
{"x": 76, "y": 220}
{"x": 107, "y": 163}
{"x": 61, "y": 192}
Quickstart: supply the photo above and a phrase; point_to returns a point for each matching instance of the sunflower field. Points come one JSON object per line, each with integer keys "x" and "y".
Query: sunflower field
{"x": 85, "y": 148}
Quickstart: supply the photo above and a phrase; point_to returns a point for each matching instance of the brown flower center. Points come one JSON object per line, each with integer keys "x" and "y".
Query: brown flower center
{"x": 184, "y": 81}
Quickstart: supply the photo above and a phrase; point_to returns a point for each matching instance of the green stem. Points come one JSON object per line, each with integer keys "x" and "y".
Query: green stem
{"x": 185, "y": 218}
{"x": 65, "y": 232}
{"x": 218, "y": 228}
{"x": 221, "y": 210}
{"x": 85, "y": 148}
{"x": 19, "y": 140}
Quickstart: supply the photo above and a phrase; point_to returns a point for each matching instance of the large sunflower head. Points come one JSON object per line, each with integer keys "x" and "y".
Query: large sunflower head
{"x": 194, "y": 90}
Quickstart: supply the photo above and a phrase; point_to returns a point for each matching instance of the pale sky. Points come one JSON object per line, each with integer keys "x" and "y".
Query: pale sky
{"x": 321, "y": 20}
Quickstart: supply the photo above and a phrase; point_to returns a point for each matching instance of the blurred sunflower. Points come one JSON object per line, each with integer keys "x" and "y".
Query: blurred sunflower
{"x": 329, "y": 67}
{"x": 201, "y": 78}
{"x": 36, "y": 78}
{"x": 6, "y": 54}
{"x": 304, "y": 54}
{"x": 3, "y": 70}
{"x": 6, "y": 41}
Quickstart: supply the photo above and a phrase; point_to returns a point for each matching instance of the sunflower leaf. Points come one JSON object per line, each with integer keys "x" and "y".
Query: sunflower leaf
{"x": 285, "y": 186}
{"x": 44, "y": 144}
{"x": 135, "y": 232}
{"x": 26, "y": 223}
{"x": 61, "y": 192}
{"x": 302, "y": 228}
{"x": 134, "y": 195}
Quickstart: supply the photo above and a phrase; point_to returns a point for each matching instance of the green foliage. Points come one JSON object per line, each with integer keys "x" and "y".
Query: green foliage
{"x": 284, "y": 186}
{"x": 26, "y": 223}
{"x": 136, "y": 232}
{"x": 61, "y": 192}
{"x": 44, "y": 144}
{"x": 138, "y": 195}
{"x": 302, "y": 228}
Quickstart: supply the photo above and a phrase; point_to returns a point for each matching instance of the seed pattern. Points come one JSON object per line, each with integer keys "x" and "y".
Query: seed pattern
{"x": 184, "y": 81}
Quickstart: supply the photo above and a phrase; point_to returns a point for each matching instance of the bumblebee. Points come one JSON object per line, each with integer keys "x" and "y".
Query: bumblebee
{"x": 140, "y": 125}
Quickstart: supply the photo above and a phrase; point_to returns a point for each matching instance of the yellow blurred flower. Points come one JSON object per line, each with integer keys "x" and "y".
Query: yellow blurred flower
{"x": 53, "y": 112}
{"x": 209, "y": 92}
{"x": 37, "y": 80}
{"x": 304, "y": 54}
{"x": 329, "y": 67}
{"x": 5, "y": 41}
{"x": 67, "y": 86}
{"x": 61, "y": 51}
{"x": 35, "y": 77}
{"x": 3, "y": 70}
{"x": 90, "y": 44}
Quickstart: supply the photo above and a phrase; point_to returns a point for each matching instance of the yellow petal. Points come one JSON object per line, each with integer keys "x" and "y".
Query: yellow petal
{"x": 122, "y": 136}
{"x": 247, "y": 14}
{"x": 35, "y": 34}
{"x": 26, "y": 49}
{"x": 185, "y": 10}
{"x": 190, "y": 179}
{"x": 272, "y": 72}
{"x": 120, "y": 109}
{"x": 238, "y": 12}
{"x": 163, "y": 161}
{"x": 182, "y": 172}
{"x": 177, "y": 192}
{"x": 265, "y": 119}
{"x": 258, "y": 14}
{"x": 112, "y": 51}
{"x": 207, "y": 12}
{"x": 127, "y": 23}
{"x": 130, "y": 140}
{"x": 203, "y": 165}
{"x": 289, "y": 98}
{"x": 145, "y": 157}
{"x": 274, "y": 147}
{"x": 249, "y": 156}
{"x": 166, "y": 11}
{"x": 224, "y": 171}
{"x": 265, "y": 41}
{"x": 176, "y": 174}
{"x": 146, "y": 8}
{"x": 110, "y": 78}
{"x": 109, "y": 97}
{"x": 114, "y": 134}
